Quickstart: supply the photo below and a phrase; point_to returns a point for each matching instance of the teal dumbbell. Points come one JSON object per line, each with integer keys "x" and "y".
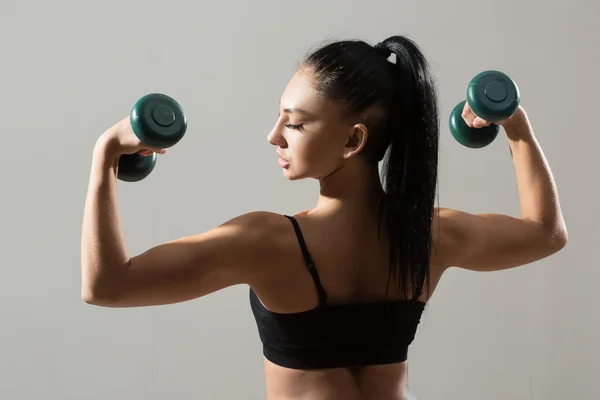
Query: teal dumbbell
{"x": 159, "y": 122}
{"x": 493, "y": 96}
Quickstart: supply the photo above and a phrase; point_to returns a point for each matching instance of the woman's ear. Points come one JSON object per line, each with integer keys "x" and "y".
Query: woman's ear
{"x": 357, "y": 138}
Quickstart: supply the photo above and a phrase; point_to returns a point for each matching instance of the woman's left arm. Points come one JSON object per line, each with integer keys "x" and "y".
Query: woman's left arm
{"x": 176, "y": 271}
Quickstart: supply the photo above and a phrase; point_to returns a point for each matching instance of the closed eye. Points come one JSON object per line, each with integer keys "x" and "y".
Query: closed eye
{"x": 294, "y": 126}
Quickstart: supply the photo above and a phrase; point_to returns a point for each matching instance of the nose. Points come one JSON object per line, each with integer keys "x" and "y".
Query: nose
{"x": 275, "y": 137}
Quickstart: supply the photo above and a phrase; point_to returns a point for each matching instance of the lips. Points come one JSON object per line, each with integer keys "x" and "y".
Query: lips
{"x": 282, "y": 161}
{"x": 281, "y": 156}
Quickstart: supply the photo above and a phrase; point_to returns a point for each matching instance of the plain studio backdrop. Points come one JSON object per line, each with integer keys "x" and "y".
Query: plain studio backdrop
{"x": 71, "y": 69}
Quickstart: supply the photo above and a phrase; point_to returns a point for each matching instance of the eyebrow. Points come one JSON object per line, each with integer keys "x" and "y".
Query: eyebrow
{"x": 291, "y": 110}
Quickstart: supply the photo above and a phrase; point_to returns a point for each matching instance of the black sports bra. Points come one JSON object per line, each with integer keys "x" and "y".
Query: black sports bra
{"x": 336, "y": 335}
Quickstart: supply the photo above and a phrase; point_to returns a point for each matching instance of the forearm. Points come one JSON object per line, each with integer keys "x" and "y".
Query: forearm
{"x": 537, "y": 190}
{"x": 103, "y": 249}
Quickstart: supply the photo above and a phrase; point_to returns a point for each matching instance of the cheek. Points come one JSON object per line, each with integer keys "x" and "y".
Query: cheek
{"x": 321, "y": 154}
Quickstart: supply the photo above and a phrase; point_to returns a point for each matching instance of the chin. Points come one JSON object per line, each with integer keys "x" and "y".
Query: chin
{"x": 290, "y": 175}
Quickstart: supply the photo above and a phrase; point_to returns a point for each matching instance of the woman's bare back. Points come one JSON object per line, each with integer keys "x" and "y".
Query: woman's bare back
{"x": 350, "y": 257}
{"x": 383, "y": 382}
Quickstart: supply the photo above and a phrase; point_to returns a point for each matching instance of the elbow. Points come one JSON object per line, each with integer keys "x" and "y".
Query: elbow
{"x": 97, "y": 292}
{"x": 558, "y": 239}
{"x": 564, "y": 238}
{"x": 89, "y": 296}
{"x": 89, "y": 286}
{"x": 93, "y": 296}
{"x": 102, "y": 284}
{"x": 97, "y": 297}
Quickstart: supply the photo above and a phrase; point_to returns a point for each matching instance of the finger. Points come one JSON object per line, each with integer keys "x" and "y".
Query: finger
{"x": 480, "y": 123}
{"x": 149, "y": 152}
{"x": 468, "y": 115}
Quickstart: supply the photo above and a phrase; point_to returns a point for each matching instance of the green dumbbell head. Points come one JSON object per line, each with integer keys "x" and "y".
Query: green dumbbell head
{"x": 493, "y": 96}
{"x": 470, "y": 137}
{"x": 135, "y": 167}
{"x": 159, "y": 122}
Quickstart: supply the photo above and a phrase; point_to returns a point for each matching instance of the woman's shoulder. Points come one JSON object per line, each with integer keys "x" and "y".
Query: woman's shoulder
{"x": 268, "y": 230}
{"x": 262, "y": 224}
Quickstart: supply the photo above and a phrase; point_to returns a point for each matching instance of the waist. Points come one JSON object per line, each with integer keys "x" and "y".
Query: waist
{"x": 381, "y": 382}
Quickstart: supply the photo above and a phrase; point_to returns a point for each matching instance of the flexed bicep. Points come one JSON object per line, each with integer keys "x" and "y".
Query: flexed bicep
{"x": 189, "y": 267}
{"x": 490, "y": 242}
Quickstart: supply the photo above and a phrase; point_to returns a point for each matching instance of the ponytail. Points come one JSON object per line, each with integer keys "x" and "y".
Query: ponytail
{"x": 361, "y": 78}
{"x": 410, "y": 167}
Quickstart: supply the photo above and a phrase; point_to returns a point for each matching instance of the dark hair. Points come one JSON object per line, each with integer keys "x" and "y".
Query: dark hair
{"x": 397, "y": 101}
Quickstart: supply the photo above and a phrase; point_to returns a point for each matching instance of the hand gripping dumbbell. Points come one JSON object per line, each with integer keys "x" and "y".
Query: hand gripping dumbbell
{"x": 493, "y": 96}
{"x": 159, "y": 122}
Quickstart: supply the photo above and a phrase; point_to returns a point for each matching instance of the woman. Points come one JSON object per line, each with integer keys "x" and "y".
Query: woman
{"x": 337, "y": 291}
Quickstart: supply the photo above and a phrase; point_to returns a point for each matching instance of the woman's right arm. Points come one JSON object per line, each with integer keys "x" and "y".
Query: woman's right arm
{"x": 489, "y": 242}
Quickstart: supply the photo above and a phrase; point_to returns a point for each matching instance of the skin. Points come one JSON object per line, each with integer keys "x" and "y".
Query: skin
{"x": 319, "y": 144}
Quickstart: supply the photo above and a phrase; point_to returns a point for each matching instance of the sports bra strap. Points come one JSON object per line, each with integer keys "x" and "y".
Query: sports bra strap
{"x": 309, "y": 261}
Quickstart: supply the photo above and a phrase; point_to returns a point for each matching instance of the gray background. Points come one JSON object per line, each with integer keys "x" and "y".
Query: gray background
{"x": 70, "y": 69}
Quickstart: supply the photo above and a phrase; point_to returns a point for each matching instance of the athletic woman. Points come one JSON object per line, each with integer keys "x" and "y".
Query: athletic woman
{"x": 337, "y": 290}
